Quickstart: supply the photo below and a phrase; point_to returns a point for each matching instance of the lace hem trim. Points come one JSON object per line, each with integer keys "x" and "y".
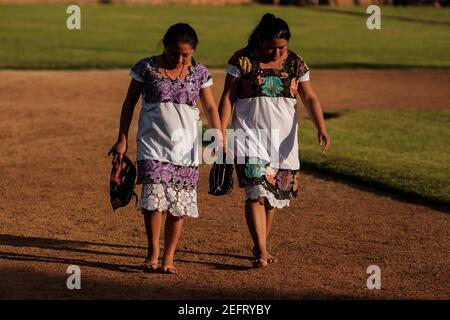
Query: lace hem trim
{"x": 255, "y": 192}
{"x": 149, "y": 205}
{"x": 165, "y": 198}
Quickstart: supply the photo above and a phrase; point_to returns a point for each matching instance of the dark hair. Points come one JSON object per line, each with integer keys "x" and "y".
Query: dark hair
{"x": 268, "y": 29}
{"x": 180, "y": 32}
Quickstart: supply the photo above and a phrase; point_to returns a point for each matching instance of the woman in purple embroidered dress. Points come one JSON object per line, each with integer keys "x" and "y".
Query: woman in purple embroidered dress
{"x": 167, "y": 141}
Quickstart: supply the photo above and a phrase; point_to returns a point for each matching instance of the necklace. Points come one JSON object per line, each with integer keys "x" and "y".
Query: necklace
{"x": 178, "y": 77}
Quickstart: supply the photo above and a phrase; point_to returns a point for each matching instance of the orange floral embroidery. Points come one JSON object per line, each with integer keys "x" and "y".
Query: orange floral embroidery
{"x": 296, "y": 178}
{"x": 294, "y": 86}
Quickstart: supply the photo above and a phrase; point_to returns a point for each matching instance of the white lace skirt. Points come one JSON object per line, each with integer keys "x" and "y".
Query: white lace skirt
{"x": 161, "y": 197}
{"x": 255, "y": 192}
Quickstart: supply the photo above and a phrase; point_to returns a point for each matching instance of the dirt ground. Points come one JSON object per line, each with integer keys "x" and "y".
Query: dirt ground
{"x": 55, "y": 130}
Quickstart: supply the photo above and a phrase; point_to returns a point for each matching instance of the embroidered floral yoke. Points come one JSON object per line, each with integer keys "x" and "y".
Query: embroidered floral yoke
{"x": 265, "y": 114}
{"x": 167, "y": 152}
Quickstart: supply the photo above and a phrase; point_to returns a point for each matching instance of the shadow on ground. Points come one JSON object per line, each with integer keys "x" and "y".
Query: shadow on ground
{"x": 32, "y": 284}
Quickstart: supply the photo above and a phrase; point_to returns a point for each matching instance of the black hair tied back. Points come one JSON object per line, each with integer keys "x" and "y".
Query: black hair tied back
{"x": 267, "y": 17}
{"x": 269, "y": 28}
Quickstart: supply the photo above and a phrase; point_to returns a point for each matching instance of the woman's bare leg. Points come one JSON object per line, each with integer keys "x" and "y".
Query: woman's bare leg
{"x": 256, "y": 222}
{"x": 173, "y": 228}
{"x": 270, "y": 212}
{"x": 152, "y": 221}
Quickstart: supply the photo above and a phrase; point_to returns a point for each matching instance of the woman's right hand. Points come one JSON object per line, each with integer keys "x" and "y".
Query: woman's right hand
{"x": 118, "y": 150}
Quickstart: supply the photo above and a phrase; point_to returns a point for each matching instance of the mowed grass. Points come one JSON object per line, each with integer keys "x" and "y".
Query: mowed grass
{"x": 115, "y": 36}
{"x": 419, "y": 13}
{"x": 401, "y": 151}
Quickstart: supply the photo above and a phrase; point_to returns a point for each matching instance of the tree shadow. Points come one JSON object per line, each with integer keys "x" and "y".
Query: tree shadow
{"x": 65, "y": 245}
{"x": 332, "y": 115}
{"x": 37, "y": 284}
{"x": 218, "y": 266}
{"x": 227, "y": 255}
{"x": 69, "y": 261}
{"x": 374, "y": 187}
{"x": 48, "y": 243}
{"x": 74, "y": 246}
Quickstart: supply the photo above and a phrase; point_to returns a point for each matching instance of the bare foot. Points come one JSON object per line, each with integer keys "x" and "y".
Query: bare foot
{"x": 260, "y": 263}
{"x": 151, "y": 261}
{"x": 167, "y": 265}
{"x": 169, "y": 269}
{"x": 261, "y": 260}
{"x": 149, "y": 265}
{"x": 270, "y": 258}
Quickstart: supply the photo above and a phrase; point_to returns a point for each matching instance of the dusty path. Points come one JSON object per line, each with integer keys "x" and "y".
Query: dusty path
{"x": 377, "y": 88}
{"x": 56, "y": 128}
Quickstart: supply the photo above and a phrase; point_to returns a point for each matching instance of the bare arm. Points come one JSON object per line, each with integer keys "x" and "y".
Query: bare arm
{"x": 210, "y": 109}
{"x": 314, "y": 109}
{"x": 133, "y": 94}
{"x": 227, "y": 101}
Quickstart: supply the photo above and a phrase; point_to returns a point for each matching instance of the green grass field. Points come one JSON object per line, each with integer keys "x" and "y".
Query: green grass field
{"x": 419, "y": 13}
{"x": 115, "y": 36}
{"x": 400, "y": 151}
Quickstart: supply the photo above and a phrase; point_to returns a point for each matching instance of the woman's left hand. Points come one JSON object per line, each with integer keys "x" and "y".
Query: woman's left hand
{"x": 324, "y": 140}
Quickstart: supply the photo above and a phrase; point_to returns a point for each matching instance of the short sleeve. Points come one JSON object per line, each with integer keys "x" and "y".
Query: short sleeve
{"x": 234, "y": 70}
{"x": 300, "y": 69}
{"x": 235, "y": 64}
{"x": 304, "y": 77}
{"x": 140, "y": 70}
{"x": 205, "y": 77}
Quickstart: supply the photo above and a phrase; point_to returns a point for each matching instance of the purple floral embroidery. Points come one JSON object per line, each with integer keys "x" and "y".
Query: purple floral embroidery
{"x": 141, "y": 68}
{"x": 154, "y": 171}
{"x": 187, "y": 176}
{"x": 155, "y": 175}
{"x": 181, "y": 95}
{"x": 201, "y": 75}
{"x": 166, "y": 172}
{"x": 195, "y": 176}
{"x": 146, "y": 166}
{"x": 161, "y": 89}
